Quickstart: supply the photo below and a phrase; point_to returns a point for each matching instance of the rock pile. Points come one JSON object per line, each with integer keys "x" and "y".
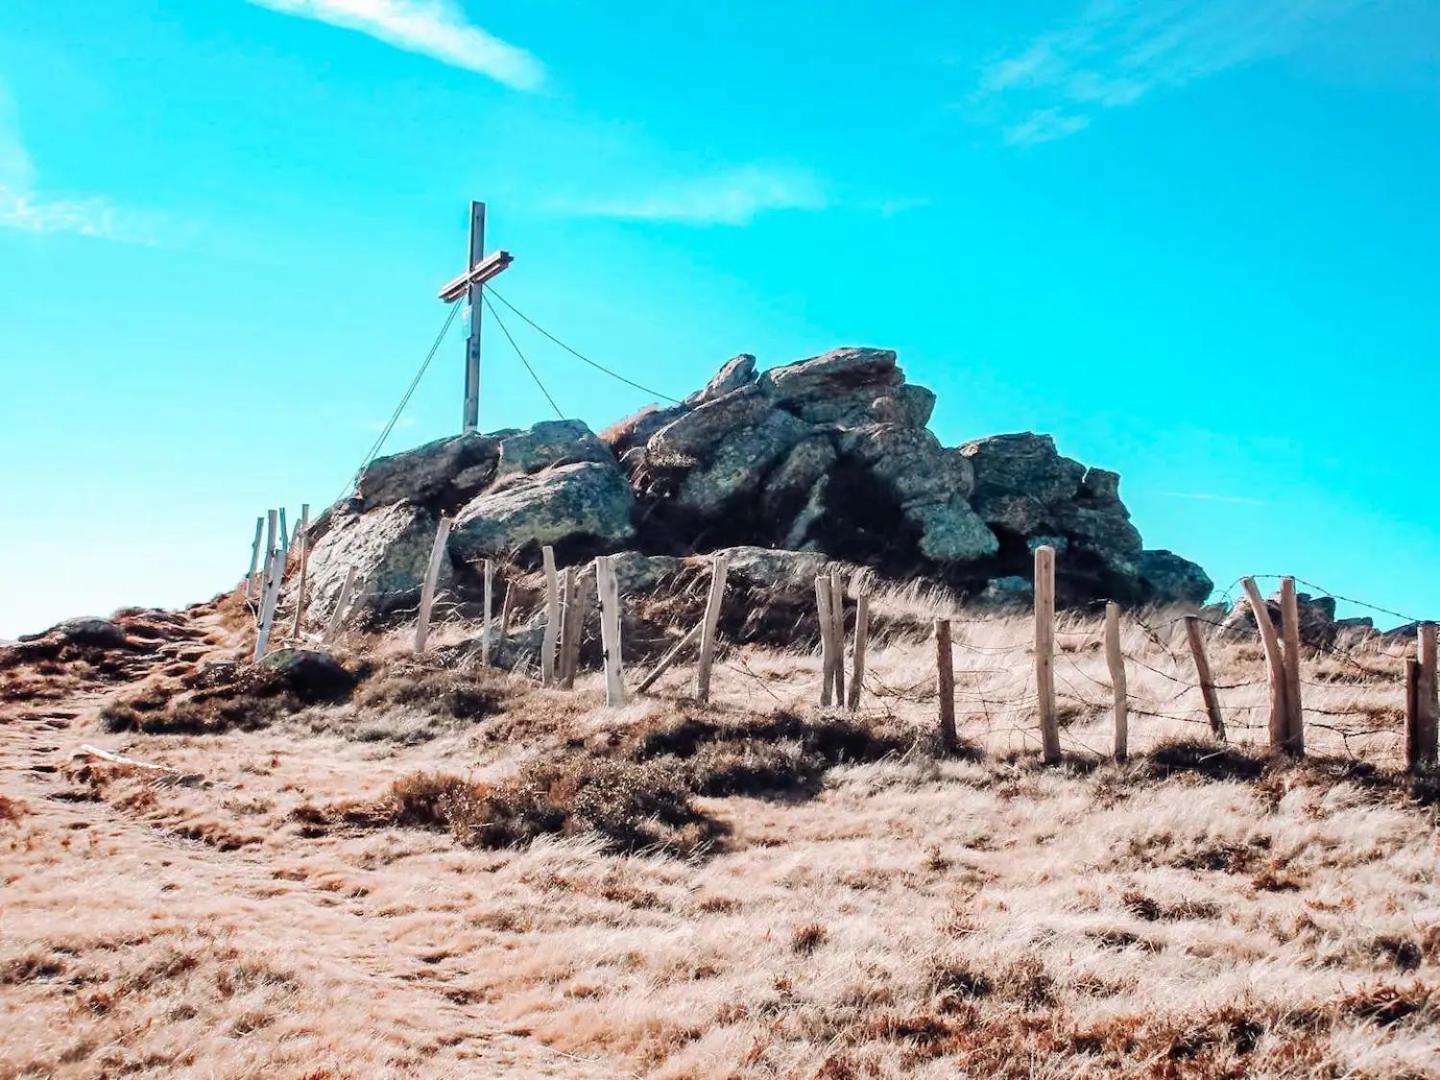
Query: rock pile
{"x": 830, "y": 455}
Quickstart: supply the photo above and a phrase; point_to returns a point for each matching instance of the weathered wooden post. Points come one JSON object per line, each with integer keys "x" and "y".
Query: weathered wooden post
{"x": 489, "y": 607}
{"x": 432, "y": 576}
{"x": 827, "y": 634}
{"x": 562, "y": 645}
{"x": 718, "y": 573}
{"x": 862, "y": 634}
{"x": 1290, "y": 628}
{"x": 1045, "y": 652}
{"x": 302, "y": 537}
{"x": 1202, "y": 671}
{"x": 337, "y": 617}
{"x": 1426, "y": 689}
{"x": 505, "y": 608}
{"x": 572, "y": 627}
{"x": 284, "y": 534}
{"x": 837, "y": 635}
{"x": 1274, "y": 666}
{"x": 1414, "y": 719}
{"x": 273, "y": 581}
{"x": 609, "y": 590}
{"x": 254, "y": 559}
{"x": 945, "y": 685}
{"x": 552, "y": 617}
{"x": 1115, "y": 660}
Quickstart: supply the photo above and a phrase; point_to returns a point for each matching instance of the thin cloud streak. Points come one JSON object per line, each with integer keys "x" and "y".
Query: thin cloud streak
{"x": 1207, "y": 496}
{"x": 1119, "y": 52}
{"x": 735, "y": 197}
{"x": 433, "y": 28}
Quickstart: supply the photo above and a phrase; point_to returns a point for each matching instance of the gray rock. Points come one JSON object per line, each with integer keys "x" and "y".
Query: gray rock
{"x": 1023, "y": 464}
{"x": 1023, "y": 514}
{"x": 775, "y": 568}
{"x": 951, "y": 532}
{"x": 910, "y": 461}
{"x": 389, "y": 547}
{"x": 738, "y": 465}
{"x": 906, "y": 404}
{"x": 85, "y": 630}
{"x": 633, "y": 432}
{"x": 694, "y": 436}
{"x": 550, "y": 442}
{"x": 736, "y": 372}
{"x": 1105, "y": 531}
{"x": 1168, "y": 579}
{"x": 839, "y": 385}
{"x": 587, "y": 502}
{"x": 790, "y": 483}
{"x": 428, "y": 473}
{"x": 311, "y": 675}
{"x": 1009, "y": 591}
{"x": 1100, "y": 485}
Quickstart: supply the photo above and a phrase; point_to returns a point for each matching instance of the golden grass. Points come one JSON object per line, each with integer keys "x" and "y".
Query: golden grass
{"x": 1196, "y": 911}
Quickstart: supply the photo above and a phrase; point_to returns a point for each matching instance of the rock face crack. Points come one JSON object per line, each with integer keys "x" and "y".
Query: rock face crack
{"x": 831, "y": 455}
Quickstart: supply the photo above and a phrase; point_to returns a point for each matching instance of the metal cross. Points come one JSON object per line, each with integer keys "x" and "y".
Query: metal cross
{"x": 469, "y": 284}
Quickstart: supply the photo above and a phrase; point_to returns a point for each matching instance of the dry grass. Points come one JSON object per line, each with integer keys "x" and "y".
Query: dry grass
{"x": 456, "y": 873}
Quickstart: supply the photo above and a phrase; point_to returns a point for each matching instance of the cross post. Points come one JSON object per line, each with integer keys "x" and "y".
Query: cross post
{"x": 481, "y": 269}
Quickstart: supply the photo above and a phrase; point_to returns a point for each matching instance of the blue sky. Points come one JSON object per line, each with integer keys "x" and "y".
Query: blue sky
{"x": 1194, "y": 241}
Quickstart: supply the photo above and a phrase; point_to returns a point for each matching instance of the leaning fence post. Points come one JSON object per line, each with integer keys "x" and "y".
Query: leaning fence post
{"x": 552, "y": 617}
{"x": 945, "y": 684}
{"x": 284, "y": 534}
{"x": 1045, "y": 652}
{"x": 827, "y": 633}
{"x": 572, "y": 626}
{"x": 668, "y": 660}
{"x": 609, "y": 591}
{"x": 1426, "y": 689}
{"x": 337, "y": 617}
{"x": 862, "y": 634}
{"x": 302, "y": 536}
{"x": 1115, "y": 660}
{"x": 489, "y": 607}
{"x": 1207, "y": 681}
{"x": 718, "y": 574}
{"x": 254, "y": 558}
{"x": 1290, "y": 628}
{"x": 273, "y": 579}
{"x": 432, "y": 576}
{"x": 837, "y": 637}
{"x": 1274, "y": 664}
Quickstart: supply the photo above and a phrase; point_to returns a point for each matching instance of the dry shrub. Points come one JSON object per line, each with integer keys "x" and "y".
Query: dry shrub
{"x": 228, "y": 697}
{"x": 11, "y": 810}
{"x": 1204, "y": 757}
{"x": 459, "y": 694}
{"x": 807, "y": 938}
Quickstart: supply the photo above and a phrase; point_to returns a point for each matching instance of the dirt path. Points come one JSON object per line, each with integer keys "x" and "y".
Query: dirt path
{"x": 147, "y": 874}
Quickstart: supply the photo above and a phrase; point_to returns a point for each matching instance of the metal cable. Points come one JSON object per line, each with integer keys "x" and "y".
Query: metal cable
{"x": 506, "y": 331}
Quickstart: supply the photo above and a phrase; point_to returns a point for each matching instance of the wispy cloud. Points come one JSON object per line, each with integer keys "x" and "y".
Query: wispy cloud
{"x": 733, "y": 197}
{"x": 1118, "y": 52}
{"x": 434, "y": 28}
{"x": 23, "y": 206}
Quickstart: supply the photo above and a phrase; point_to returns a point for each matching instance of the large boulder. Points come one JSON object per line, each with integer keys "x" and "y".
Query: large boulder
{"x": 694, "y": 436}
{"x": 311, "y": 675}
{"x": 389, "y": 549}
{"x": 1169, "y": 579}
{"x": 1022, "y": 464}
{"x": 737, "y": 466}
{"x": 550, "y": 442}
{"x": 836, "y": 387}
{"x": 585, "y": 507}
{"x": 446, "y": 470}
{"x": 736, "y": 372}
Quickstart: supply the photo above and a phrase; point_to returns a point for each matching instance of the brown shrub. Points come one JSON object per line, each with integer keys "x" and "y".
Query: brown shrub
{"x": 458, "y": 694}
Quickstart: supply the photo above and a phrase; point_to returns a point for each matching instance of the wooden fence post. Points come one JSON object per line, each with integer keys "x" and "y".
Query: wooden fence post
{"x": 945, "y": 685}
{"x": 1045, "y": 652}
{"x": 1207, "y": 681}
{"x": 337, "y": 617}
{"x": 572, "y": 627}
{"x": 505, "y": 610}
{"x": 273, "y": 580}
{"x": 267, "y": 561}
{"x": 1274, "y": 664}
{"x": 303, "y": 538}
{"x": 1426, "y": 688}
{"x": 1414, "y": 721}
{"x": 254, "y": 558}
{"x": 489, "y": 608}
{"x": 552, "y": 617}
{"x": 284, "y": 534}
{"x": 1115, "y": 660}
{"x": 609, "y": 591}
{"x": 562, "y": 643}
{"x": 827, "y": 634}
{"x": 1290, "y": 628}
{"x": 432, "y": 576}
{"x": 718, "y": 574}
{"x": 862, "y": 634}
{"x": 837, "y": 636}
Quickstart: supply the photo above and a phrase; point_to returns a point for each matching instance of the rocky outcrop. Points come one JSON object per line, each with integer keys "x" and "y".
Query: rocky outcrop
{"x": 827, "y": 458}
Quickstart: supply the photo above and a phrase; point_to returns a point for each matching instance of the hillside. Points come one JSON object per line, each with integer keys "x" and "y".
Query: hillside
{"x": 426, "y": 867}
